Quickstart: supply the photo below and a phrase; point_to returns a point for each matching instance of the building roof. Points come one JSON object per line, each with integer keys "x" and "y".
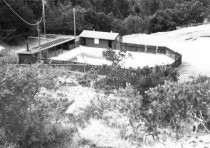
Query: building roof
{"x": 48, "y": 45}
{"x": 99, "y": 35}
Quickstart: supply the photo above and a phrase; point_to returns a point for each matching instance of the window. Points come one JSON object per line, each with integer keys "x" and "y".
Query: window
{"x": 96, "y": 41}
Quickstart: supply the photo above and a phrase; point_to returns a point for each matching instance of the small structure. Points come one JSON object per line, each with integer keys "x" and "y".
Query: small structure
{"x": 3, "y": 49}
{"x": 47, "y": 50}
{"x": 100, "y": 39}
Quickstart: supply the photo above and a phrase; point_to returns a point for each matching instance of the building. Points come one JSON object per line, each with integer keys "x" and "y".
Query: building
{"x": 50, "y": 49}
{"x": 100, "y": 39}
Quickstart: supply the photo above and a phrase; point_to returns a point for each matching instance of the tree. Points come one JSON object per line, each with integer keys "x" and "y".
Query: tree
{"x": 191, "y": 11}
{"x": 161, "y": 21}
{"x": 121, "y": 8}
{"x": 107, "y": 6}
{"x": 104, "y": 22}
{"x": 134, "y": 24}
{"x": 12, "y": 28}
{"x": 90, "y": 17}
{"x": 119, "y": 26}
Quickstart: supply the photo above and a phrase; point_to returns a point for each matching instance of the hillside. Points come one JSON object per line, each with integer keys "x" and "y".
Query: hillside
{"x": 101, "y": 117}
{"x": 192, "y": 43}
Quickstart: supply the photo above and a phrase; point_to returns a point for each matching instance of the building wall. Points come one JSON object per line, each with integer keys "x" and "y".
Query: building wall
{"x": 26, "y": 59}
{"x": 102, "y": 43}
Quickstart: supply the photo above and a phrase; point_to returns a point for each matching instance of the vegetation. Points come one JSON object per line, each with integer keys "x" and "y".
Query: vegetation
{"x": 150, "y": 102}
{"x": 29, "y": 115}
{"x": 7, "y": 57}
{"x": 151, "y": 99}
{"x": 140, "y": 79}
{"x": 123, "y": 16}
{"x": 32, "y": 115}
{"x": 171, "y": 110}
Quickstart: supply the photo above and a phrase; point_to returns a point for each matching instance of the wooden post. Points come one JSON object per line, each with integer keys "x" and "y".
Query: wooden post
{"x": 27, "y": 45}
{"x": 145, "y": 50}
{"x": 156, "y": 49}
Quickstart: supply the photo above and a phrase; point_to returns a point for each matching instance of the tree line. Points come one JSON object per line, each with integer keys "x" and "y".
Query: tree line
{"x": 123, "y": 16}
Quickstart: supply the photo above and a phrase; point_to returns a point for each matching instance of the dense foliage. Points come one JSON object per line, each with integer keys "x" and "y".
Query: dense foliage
{"x": 29, "y": 116}
{"x": 123, "y": 16}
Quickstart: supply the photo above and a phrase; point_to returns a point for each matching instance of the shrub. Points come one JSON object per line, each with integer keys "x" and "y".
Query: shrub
{"x": 173, "y": 103}
{"x": 10, "y": 58}
{"x": 175, "y": 107}
{"x": 30, "y": 118}
{"x": 86, "y": 79}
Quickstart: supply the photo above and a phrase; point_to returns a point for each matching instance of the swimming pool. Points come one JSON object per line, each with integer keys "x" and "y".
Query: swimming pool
{"x": 94, "y": 56}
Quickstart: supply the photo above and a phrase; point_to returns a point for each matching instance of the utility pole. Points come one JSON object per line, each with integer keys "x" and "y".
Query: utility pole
{"x": 74, "y": 23}
{"x": 43, "y": 7}
{"x": 75, "y": 34}
{"x": 39, "y": 40}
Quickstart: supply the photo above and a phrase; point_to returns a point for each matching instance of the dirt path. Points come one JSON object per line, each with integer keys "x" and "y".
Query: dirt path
{"x": 195, "y": 56}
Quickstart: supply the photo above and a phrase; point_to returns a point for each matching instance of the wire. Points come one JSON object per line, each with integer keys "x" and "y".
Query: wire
{"x": 38, "y": 22}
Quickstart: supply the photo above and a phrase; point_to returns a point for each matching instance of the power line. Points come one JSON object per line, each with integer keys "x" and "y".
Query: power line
{"x": 38, "y": 22}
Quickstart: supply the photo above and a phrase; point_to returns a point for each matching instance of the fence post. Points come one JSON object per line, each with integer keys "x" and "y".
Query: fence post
{"x": 145, "y": 50}
{"x": 156, "y": 49}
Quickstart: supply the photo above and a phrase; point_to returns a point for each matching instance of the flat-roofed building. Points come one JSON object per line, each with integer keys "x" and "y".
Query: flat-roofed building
{"x": 100, "y": 39}
{"x": 49, "y": 49}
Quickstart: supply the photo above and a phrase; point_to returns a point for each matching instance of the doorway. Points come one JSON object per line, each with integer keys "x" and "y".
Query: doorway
{"x": 110, "y": 44}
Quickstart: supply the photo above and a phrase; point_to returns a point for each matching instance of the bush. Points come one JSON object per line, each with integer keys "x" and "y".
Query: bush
{"x": 86, "y": 79}
{"x": 173, "y": 103}
{"x": 30, "y": 117}
{"x": 9, "y": 58}
{"x": 173, "y": 109}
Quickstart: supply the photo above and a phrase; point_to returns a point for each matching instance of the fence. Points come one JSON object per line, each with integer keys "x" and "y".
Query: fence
{"x": 102, "y": 69}
{"x": 155, "y": 50}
